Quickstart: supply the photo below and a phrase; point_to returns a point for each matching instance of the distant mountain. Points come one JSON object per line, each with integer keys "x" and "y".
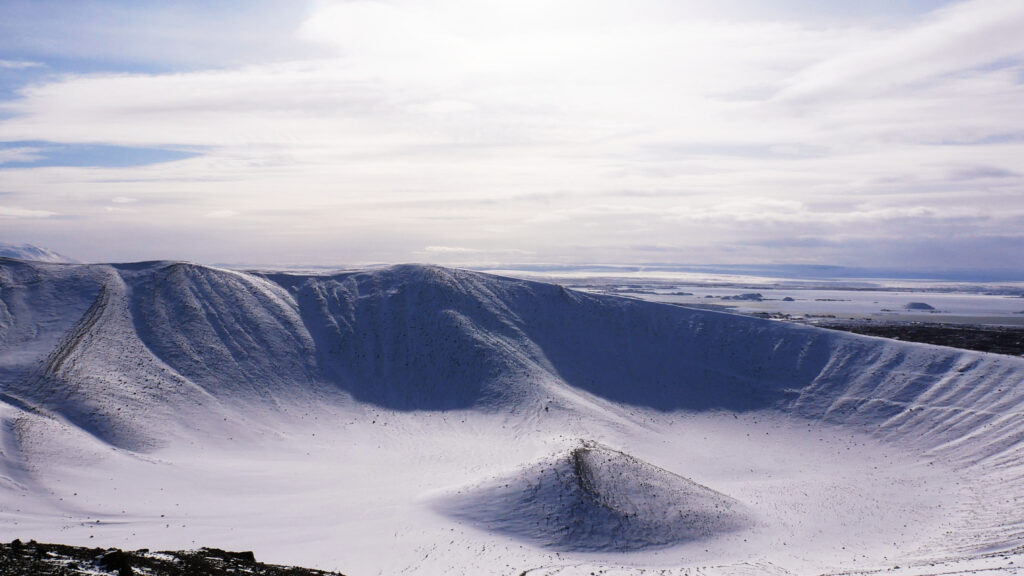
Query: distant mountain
{"x": 34, "y": 253}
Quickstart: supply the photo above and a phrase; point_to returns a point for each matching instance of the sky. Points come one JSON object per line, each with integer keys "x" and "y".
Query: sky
{"x": 483, "y": 132}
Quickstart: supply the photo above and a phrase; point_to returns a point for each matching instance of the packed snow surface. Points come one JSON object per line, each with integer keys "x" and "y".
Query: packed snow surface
{"x": 421, "y": 420}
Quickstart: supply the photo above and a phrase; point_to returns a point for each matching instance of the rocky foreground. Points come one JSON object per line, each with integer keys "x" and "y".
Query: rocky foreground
{"x": 32, "y": 558}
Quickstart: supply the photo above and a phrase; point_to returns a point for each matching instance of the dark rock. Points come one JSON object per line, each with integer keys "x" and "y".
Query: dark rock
{"x": 748, "y": 297}
{"x": 248, "y": 556}
{"x": 116, "y": 560}
{"x": 60, "y": 560}
{"x": 996, "y": 339}
{"x": 227, "y": 556}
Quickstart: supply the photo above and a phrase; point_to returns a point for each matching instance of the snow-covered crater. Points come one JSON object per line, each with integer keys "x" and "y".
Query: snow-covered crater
{"x": 404, "y": 419}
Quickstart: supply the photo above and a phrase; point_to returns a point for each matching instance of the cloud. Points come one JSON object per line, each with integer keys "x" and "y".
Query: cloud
{"x": 463, "y": 250}
{"x": 18, "y": 155}
{"x": 771, "y": 211}
{"x": 451, "y": 250}
{"x": 576, "y": 130}
{"x": 119, "y": 35}
{"x": 220, "y": 214}
{"x": 960, "y": 38}
{"x": 17, "y": 212}
{"x": 982, "y": 173}
{"x": 19, "y": 64}
{"x": 119, "y": 210}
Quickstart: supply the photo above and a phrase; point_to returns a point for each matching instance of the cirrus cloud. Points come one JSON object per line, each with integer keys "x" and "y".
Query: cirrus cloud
{"x": 556, "y": 128}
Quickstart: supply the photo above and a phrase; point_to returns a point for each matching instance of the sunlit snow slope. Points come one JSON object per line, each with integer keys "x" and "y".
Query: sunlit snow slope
{"x": 448, "y": 417}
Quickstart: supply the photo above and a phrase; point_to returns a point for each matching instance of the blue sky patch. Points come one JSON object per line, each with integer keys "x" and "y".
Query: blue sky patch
{"x": 35, "y": 154}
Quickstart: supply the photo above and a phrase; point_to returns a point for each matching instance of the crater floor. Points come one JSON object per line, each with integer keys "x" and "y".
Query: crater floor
{"x": 359, "y": 493}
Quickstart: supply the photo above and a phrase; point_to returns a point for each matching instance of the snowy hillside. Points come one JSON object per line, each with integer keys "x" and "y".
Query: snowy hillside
{"x": 33, "y": 253}
{"x": 431, "y": 421}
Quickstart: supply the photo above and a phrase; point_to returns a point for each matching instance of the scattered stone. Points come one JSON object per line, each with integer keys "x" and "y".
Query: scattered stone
{"x": 19, "y": 559}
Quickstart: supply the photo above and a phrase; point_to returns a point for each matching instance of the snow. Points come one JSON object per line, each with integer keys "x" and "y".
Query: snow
{"x": 422, "y": 420}
{"x": 592, "y": 498}
{"x": 34, "y": 253}
{"x": 878, "y": 299}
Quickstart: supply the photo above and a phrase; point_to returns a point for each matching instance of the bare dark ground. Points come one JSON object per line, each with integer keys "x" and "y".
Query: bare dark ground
{"x": 31, "y": 559}
{"x": 997, "y": 339}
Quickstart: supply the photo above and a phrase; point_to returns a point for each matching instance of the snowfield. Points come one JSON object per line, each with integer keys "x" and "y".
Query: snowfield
{"x": 421, "y": 420}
